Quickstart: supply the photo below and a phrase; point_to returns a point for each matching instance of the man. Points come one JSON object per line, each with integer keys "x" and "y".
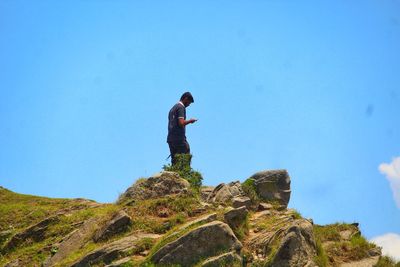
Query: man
{"x": 176, "y": 127}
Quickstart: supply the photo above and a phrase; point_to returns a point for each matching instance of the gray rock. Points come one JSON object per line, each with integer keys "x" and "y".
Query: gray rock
{"x": 273, "y": 185}
{"x": 297, "y": 247}
{"x": 227, "y": 259}
{"x": 120, "y": 263}
{"x": 238, "y": 202}
{"x": 205, "y": 191}
{"x": 72, "y": 242}
{"x": 117, "y": 225}
{"x": 159, "y": 185}
{"x": 375, "y": 252}
{"x": 236, "y": 217}
{"x": 202, "y": 242}
{"x": 35, "y": 233}
{"x": 224, "y": 193}
{"x": 264, "y": 206}
{"x": 113, "y": 251}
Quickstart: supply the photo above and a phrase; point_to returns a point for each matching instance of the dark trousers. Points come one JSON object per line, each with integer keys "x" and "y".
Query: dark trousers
{"x": 178, "y": 148}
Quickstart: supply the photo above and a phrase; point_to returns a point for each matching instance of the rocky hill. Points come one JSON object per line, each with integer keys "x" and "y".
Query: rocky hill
{"x": 165, "y": 221}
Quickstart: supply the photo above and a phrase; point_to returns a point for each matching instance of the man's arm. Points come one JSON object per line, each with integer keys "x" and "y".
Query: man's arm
{"x": 183, "y": 122}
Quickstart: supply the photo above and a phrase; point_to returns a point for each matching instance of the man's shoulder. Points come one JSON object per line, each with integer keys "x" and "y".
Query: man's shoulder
{"x": 178, "y": 106}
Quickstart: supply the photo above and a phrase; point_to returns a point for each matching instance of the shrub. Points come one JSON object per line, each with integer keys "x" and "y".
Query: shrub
{"x": 183, "y": 168}
{"x": 250, "y": 190}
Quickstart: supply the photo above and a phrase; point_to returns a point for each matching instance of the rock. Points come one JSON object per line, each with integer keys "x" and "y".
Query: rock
{"x": 120, "y": 263}
{"x": 205, "y": 191}
{"x": 238, "y": 202}
{"x": 297, "y": 247}
{"x": 367, "y": 262}
{"x": 202, "y": 242}
{"x": 35, "y": 233}
{"x": 352, "y": 230}
{"x": 115, "y": 250}
{"x": 236, "y": 217}
{"x": 159, "y": 185}
{"x": 375, "y": 252}
{"x": 74, "y": 241}
{"x": 273, "y": 186}
{"x": 203, "y": 219}
{"x": 261, "y": 214}
{"x": 199, "y": 221}
{"x": 227, "y": 259}
{"x": 225, "y": 192}
{"x": 117, "y": 225}
{"x": 264, "y": 206}
{"x": 14, "y": 263}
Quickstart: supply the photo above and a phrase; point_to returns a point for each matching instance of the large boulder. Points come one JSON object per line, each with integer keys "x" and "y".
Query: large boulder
{"x": 236, "y": 217}
{"x": 113, "y": 251}
{"x": 119, "y": 223}
{"x": 273, "y": 185}
{"x": 73, "y": 242}
{"x": 224, "y": 193}
{"x": 159, "y": 185}
{"x": 227, "y": 259}
{"x": 297, "y": 247}
{"x": 202, "y": 242}
{"x": 205, "y": 191}
{"x": 238, "y": 202}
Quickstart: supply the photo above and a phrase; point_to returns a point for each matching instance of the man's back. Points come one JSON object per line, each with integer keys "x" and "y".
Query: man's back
{"x": 176, "y": 133}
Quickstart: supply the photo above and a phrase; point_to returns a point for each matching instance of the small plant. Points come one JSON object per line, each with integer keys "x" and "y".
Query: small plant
{"x": 250, "y": 190}
{"x": 183, "y": 168}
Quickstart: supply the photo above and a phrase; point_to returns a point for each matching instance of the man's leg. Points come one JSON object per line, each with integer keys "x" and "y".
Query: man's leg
{"x": 177, "y": 148}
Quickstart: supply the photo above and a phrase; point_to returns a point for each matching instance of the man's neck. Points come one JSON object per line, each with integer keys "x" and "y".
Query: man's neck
{"x": 180, "y": 102}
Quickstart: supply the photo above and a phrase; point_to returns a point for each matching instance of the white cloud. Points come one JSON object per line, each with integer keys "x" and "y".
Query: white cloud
{"x": 392, "y": 172}
{"x": 390, "y": 244}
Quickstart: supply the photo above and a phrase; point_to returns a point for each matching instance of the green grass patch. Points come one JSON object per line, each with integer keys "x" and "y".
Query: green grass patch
{"x": 331, "y": 232}
{"x": 321, "y": 259}
{"x": 386, "y": 261}
{"x": 250, "y": 190}
{"x": 183, "y": 168}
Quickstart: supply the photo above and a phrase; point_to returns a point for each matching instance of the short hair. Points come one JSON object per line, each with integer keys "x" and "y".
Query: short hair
{"x": 188, "y": 95}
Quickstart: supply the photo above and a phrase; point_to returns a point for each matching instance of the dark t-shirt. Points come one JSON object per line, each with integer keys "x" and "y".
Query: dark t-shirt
{"x": 176, "y": 133}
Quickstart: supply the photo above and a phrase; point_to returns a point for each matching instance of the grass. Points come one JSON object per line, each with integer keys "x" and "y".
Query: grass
{"x": 296, "y": 215}
{"x": 386, "y": 261}
{"x": 146, "y": 214}
{"x": 340, "y": 250}
{"x": 19, "y": 211}
{"x": 183, "y": 168}
{"x": 331, "y": 232}
{"x": 250, "y": 190}
{"x": 321, "y": 259}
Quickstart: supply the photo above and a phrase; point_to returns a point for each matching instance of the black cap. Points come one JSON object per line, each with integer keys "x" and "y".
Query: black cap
{"x": 188, "y": 95}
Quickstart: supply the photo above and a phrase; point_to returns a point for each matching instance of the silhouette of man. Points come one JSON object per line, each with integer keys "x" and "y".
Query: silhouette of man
{"x": 176, "y": 127}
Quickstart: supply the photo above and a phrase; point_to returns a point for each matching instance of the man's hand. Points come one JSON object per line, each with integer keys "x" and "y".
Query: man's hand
{"x": 183, "y": 123}
{"x": 192, "y": 120}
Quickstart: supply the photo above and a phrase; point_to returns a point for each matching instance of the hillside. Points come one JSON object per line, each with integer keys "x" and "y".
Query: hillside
{"x": 165, "y": 220}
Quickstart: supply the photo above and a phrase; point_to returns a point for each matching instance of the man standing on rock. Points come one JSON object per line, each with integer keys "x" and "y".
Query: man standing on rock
{"x": 176, "y": 127}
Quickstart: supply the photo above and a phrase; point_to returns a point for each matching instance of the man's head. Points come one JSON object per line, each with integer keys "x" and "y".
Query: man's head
{"x": 187, "y": 99}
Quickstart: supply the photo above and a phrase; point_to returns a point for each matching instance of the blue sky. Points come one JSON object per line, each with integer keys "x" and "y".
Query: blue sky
{"x": 310, "y": 86}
